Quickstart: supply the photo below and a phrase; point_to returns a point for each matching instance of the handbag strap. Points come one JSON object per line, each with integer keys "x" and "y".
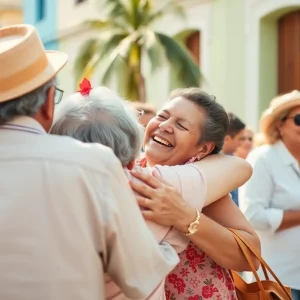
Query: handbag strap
{"x": 241, "y": 240}
{"x": 246, "y": 253}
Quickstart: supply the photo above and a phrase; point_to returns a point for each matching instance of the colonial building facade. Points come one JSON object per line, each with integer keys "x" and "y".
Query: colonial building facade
{"x": 248, "y": 50}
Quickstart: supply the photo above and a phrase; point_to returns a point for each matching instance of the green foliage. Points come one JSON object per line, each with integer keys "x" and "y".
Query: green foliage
{"x": 125, "y": 38}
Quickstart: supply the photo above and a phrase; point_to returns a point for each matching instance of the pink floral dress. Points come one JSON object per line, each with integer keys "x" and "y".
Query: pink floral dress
{"x": 197, "y": 276}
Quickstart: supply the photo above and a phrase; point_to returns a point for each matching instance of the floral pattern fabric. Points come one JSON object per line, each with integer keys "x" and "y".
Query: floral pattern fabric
{"x": 198, "y": 277}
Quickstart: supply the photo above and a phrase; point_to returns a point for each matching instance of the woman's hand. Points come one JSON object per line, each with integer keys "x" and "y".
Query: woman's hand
{"x": 163, "y": 203}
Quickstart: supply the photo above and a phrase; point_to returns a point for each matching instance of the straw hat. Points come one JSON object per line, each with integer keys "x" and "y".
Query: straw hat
{"x": 278, "y": 107}
{"x": 24, "y": 63}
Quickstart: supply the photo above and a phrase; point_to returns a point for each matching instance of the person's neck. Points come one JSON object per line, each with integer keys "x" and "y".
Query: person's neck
{"x": 241, "y": 153}
{"x": 293, "y": 148}
{"x": 226, "y": 151}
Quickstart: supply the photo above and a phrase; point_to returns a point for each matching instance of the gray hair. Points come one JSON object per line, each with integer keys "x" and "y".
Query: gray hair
{"x": 101, "y": 117}
{"x": 26, "y": 105}
{"x": 216, "y": 123}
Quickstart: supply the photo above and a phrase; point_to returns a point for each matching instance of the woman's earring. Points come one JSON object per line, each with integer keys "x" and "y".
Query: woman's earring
{"x": 193, "y": 159}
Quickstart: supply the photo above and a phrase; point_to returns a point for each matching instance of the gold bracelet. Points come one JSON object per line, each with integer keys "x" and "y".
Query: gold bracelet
{"x": 193, "y": 227}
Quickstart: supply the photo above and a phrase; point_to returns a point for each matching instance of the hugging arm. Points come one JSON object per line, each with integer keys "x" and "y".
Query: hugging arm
{"x": 225, "y": 172}
{"x": 166, "y": 207}
{"x": 217, "y": 241}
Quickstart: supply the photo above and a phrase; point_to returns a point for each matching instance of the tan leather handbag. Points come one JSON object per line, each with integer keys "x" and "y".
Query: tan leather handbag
{"x": 261, "y": 289}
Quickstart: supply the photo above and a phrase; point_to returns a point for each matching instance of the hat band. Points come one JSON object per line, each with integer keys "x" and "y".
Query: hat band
{"x": 25, "y": 75}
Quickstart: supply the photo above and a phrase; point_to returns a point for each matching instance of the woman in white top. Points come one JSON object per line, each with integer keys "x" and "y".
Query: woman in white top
{"x": 271, "y": 198}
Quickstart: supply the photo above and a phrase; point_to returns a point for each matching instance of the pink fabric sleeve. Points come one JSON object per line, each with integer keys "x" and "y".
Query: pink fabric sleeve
{"x": 157, "y": 230}
{"x": 190, "y": 182}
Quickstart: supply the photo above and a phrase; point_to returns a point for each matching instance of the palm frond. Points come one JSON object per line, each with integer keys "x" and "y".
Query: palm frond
{"x": 119, "y": 10}
{"x": 86, "y": 54}
{"x": 182, "y": 65}
{"x": 171, "y": 7}
{"x": 113, "y": 67}
{"x": 102, "y": 52}
{"x": 153, "y": 49}
{"x": 121, "y": 52}
{"x": 142, "y": 10}
{"x": 98, "y": 24}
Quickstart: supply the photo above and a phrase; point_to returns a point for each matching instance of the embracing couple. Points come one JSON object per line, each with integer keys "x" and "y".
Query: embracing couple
{"x": 71, "y": 226}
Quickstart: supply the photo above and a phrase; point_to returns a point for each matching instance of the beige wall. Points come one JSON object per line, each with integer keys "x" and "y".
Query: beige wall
{"x": 70, "y": 14}
{"x": 10, "y": 12}
{"x": 10, "y": 16}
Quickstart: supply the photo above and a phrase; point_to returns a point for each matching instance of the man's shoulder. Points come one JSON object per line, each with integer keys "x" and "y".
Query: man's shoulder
{"x": 66, "y": 150}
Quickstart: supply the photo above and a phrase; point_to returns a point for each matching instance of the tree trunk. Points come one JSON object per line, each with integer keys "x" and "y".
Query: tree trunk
{"x": 141, "y": 79}
{"x": 137, "y": 82}
{"x": 142, "y": 88}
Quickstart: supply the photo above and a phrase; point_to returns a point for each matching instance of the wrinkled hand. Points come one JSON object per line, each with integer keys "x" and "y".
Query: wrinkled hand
{"x": 163, "y": 203}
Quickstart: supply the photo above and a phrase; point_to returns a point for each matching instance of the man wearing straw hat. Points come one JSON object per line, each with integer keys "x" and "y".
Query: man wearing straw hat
{"x": 67, "y": 214}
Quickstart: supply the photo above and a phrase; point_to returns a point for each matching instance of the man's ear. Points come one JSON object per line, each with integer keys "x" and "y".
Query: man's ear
{"x": 205, "y": 149}
{"x": 47, "y": 109}
{"x": 279, "y": 126}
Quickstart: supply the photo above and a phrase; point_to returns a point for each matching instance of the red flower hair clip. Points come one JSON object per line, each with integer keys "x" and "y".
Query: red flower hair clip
{"x": 85, "y": 87}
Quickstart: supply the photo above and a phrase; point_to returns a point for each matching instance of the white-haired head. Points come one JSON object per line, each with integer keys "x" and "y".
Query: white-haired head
{"x": 101, "y": 117}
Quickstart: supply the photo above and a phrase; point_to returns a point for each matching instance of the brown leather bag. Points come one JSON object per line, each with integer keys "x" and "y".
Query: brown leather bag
{"x": 261, "y": 289}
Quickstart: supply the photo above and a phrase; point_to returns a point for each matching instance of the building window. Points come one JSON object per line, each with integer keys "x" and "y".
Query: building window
{"x": 79, "y": 1}
{"x": 40, "y": 10}
{"x": 289, "y": 52}
{"x": 193, "y": 44}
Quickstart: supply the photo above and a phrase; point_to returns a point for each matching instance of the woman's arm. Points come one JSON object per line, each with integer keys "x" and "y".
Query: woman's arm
{"x": 166, "y": 207}
{"x": 197, "y": 182}
{"x": 290, "y": 219}
{"x": 217, "y": 241}
{"x": 222, "y": 171}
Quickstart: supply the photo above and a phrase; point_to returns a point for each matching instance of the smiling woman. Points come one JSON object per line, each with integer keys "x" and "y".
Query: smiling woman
{"x": 190, "y": 125}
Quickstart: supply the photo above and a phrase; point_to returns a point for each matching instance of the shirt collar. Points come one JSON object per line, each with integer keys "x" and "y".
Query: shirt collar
{"x": 284, "y": 153}
{"x": 27, "y": 122}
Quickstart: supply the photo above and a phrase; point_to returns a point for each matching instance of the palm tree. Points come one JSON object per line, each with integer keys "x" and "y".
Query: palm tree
{"x": 126, "y": 38}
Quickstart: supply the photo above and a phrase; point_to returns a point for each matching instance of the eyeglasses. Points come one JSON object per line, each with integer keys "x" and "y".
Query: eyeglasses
{"x": 58, "y": 95}
{"x": 296, "y": 119}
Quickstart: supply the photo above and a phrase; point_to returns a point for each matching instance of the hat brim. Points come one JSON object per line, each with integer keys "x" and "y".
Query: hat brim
{"x": 269, "y": 118}
{"x": 56, "y": 61}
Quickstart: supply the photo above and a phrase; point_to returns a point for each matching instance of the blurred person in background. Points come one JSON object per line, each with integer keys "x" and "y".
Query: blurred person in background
{"x": 147, "y": 112}
{"x": 246, "y": 145}
{"x": 259, "y": 139}
{"x": 271, "y": 198}
{"x": 233, "y": 140}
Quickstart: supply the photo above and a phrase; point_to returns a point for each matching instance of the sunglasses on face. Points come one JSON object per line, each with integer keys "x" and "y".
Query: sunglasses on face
{"x": 296, "y": 119}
